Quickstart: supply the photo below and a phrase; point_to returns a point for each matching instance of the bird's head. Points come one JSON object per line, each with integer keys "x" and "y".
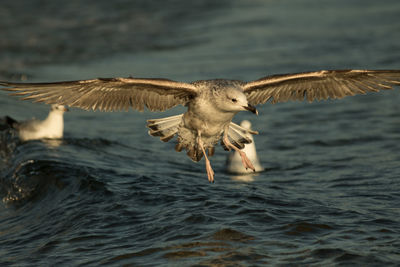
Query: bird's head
{"x": 234, "y": 100}
{"x": 60, "y": 108}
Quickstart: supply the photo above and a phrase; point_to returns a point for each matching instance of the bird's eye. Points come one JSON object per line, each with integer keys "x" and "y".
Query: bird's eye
{"x": 234, "y": 100}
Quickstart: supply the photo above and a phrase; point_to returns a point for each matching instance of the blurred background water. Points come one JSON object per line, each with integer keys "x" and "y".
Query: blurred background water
{"x": 109, "y": 194}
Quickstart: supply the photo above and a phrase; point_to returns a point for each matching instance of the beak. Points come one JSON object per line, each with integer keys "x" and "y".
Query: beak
{"x": 251, "y": 108}
{"x": 66, "y": 109}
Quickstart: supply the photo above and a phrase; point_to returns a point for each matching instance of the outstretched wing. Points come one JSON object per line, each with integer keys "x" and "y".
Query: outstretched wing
{"x": 107, "y": 94}
{"x": 319, "y": 85}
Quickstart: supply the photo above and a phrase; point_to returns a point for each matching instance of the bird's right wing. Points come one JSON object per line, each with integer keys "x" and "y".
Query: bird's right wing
{"x": 108, "y": 94}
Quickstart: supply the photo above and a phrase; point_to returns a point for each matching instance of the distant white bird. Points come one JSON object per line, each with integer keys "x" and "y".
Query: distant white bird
{"x": 52, "y": 127}
{"x": 211, "y": 104}
{"x": 234, "y": 160}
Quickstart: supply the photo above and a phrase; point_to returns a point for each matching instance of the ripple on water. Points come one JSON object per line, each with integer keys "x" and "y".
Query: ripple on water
{"x": 301, "y": 228}
{"x": 226, "y": 246}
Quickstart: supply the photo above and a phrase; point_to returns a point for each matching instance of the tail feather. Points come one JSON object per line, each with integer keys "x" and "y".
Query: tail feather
{"x": 167, "y": 138}
{"x": 211, "y": 151}
{"x": 194, "y": 152}
{"x": 238, "y": 136}
{"x": 165, "y": 128}
{"x": 163, "y": 120}
{"x": 178, "y": 147}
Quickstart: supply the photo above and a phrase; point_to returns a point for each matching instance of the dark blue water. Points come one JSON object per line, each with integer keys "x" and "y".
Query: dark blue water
{"x": 109, "y": 194}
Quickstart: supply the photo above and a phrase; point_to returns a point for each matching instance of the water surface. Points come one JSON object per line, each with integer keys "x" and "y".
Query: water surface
{"x": 109, "y": 194}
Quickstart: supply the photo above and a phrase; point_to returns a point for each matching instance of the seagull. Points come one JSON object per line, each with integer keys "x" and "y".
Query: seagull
{"x": 211, "y": 104}
{"x": 234, "y": 164}
{"x": 52, "y": 127}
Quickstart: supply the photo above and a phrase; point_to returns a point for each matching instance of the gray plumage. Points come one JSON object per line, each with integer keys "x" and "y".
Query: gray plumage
{"x": 211, "y": 104}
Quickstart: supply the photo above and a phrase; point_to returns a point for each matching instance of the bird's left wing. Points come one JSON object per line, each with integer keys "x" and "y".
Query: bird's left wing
{"x": 319, "y": 85}
{"x": 108, "y": 94}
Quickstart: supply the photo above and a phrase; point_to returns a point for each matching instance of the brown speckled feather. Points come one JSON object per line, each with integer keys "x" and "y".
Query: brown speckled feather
{"x": 319, "y": 85}
{"x": 108, "y": 94}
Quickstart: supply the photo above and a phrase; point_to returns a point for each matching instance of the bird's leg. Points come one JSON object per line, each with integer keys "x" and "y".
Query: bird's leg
{"x": 245, "y": 160}
{"x": 210, "y": 172}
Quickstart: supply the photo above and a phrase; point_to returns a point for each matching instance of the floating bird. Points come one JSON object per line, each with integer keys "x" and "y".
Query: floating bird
{"x": 52, "y": 127}
{"x": 234, "y": 161}
{"x": 211, "y": 104}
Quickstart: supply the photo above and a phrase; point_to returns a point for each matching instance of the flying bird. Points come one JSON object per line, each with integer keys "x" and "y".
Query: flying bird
{"x": 51, "y": 128}
{"x": 211, "y": 104}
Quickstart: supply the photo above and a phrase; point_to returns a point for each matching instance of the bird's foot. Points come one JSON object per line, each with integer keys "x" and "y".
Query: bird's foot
{"x": 246, "y": 162}
{"x": 210, "y": 172}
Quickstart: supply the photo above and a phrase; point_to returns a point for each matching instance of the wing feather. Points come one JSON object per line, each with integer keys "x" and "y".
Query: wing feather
{"x": 320, "y": 85}
{"x": 108, "y": 94}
